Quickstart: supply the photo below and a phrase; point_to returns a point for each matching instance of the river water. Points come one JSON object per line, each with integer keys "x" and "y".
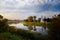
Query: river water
{"x": 35, "y": 28}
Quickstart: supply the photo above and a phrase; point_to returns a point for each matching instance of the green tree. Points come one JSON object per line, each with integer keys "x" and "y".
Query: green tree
{"x": 30, "y": 18}
{"x": 1, "y": 17}
{"x": 25, "y": 20}
{"x": 39, "y": 19}
{"x": 34, "y": 18}
{"x": 54, "y": 28}
{"x": 3, "y": 24}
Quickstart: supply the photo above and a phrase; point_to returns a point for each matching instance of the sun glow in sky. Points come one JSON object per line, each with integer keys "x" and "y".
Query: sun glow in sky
{"x": 21, "y": 9}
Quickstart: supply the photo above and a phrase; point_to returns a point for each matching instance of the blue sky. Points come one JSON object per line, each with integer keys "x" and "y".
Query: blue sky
{"x": 21, "y": 9}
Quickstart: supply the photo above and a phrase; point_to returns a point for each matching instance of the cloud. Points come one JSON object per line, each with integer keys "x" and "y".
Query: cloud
{"x": 31, "y": 5}
{"x": 20, "y": 9}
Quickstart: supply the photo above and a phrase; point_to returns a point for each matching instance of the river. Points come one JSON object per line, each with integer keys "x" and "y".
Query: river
{"x": 39, "y": 29}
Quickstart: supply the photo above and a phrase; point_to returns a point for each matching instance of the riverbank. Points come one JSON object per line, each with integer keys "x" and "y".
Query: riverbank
{"x": 27, "y": 34}
{"x": 9, "y": 36}
{"x": 35, "y": 23}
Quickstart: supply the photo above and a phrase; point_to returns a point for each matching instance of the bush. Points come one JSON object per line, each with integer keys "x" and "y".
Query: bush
{"x": 8, "y": 36}
{"x": 25, "y": 34}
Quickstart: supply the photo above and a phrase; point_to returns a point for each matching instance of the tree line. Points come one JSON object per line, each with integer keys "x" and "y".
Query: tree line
{"x": 33, "y": 19}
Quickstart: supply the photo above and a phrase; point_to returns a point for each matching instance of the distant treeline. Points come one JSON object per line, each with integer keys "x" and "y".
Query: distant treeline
{"x": 14, "y": 21}
{"x": 33, "y": 19}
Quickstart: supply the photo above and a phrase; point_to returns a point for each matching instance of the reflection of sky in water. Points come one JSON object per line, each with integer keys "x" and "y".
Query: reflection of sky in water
{"x": 38, "y": 28}
{"x": 41, "y": 30}
{"x": 20, "y": 26}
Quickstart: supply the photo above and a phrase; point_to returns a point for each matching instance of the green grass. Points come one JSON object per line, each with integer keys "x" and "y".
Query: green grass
{"x": 35, "y": 23}
{"x": 8, "y": 36}
{"x": 28, "y": 35}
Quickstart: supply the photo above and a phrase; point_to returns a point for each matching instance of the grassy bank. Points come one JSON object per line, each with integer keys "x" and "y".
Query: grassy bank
{"x": 20, "y": 34}
{"x": 8, "y": 36}
{"x": 35, "y": 23}
{"x": 27, "y": 35}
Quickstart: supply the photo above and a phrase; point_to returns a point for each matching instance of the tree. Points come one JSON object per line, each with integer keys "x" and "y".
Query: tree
{"x": 1, "y": 17}
{"x": 3, "y": 24}
{"x": 54, "y": 28}
{"x": 48, "y": 19}
{"x": 39, "y": 19}
{"x": 30, "y": 18}
{"x": 34, "y": 18}
{"x": 44, "y": 19}
{"x": 25, "y": 20}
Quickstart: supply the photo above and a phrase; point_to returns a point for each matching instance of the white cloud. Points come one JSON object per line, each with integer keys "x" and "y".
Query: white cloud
{"x": 20, "y": 9}
{"x": 48, "y": 14}
{"x": 16, "y": 4}
{"x": 22, "y": 3}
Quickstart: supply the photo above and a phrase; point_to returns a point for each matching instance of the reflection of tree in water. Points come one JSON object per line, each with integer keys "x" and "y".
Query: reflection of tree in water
{"x": 45, "y": 26}
{"x": 34, "y": 27}
{"x": 30, "y": 27}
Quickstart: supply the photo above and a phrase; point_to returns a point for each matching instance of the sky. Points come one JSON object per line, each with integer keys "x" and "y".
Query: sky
{"x": 21, "y": 9}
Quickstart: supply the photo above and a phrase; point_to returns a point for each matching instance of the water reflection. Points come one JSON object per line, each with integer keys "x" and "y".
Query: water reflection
{"x": 30, "y": 27}
{"x": 40, "y": 29}
{"x": 33, "y": 28}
